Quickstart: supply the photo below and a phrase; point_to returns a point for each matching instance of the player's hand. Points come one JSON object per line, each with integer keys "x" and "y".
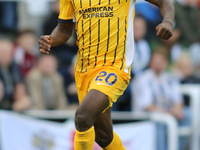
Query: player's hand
{"x": 164, "y": 30}
{"x": 45, "y": 44}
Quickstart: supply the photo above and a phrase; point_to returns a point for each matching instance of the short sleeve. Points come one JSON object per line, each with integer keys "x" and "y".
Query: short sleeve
{"x": 66, "y": 11}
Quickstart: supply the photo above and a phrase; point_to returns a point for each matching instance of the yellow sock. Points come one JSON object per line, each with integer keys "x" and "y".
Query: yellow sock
{"x": 84, "y": 140}
{"x": 116, "y": 143}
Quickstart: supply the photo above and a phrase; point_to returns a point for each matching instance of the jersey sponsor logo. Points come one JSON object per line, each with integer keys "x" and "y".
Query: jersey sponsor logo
{"x": 96, "y": 9}
{"x": 97, "y": 12}
{"x": 97, "y": 15}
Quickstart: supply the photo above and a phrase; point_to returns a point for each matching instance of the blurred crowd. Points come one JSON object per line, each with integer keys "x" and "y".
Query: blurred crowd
{"x": 30, "y": 80}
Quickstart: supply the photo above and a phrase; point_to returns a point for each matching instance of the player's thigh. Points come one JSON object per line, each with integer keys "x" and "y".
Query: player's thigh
{"x": 94, "y": 103}
{"x": 104, "y": 128}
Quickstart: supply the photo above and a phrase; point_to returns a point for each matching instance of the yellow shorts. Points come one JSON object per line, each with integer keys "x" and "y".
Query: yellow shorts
{"x": 108, "y": 80}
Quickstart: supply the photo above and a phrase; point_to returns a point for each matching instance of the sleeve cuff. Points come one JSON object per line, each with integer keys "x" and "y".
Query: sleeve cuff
{"x": 65, "y": 21}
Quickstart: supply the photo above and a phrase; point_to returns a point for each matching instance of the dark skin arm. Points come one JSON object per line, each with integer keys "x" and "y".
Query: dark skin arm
{"x": 164, "y": 30}
{"x": 59, "y": 36}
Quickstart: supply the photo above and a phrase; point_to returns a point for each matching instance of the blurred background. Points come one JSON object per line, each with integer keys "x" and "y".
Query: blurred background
{"x": 162, "y": 98}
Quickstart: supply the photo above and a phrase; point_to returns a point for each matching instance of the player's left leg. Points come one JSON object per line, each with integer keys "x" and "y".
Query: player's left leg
{"x": 94, "y": 103}
{"x": 104, "y": 134}
{"x": 104, "y": 129}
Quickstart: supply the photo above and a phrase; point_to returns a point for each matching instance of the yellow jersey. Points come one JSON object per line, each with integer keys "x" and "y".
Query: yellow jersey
{"x": 104, "y": 32}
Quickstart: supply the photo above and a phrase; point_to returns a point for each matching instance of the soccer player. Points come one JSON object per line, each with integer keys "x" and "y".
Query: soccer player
{"x": 106, "y": 46}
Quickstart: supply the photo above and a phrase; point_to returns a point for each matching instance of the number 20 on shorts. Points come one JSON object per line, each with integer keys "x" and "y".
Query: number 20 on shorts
{"x": 104, "y": 76}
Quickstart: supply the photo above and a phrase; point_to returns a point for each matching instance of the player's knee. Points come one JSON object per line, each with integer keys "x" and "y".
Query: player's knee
{"x": 104, "y": 140}
{"x": 82, "y": 121}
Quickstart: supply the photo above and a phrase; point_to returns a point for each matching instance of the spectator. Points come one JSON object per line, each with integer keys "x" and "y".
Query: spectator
{"x": 69, "y": 82}
{"x": 4, "y": 104}
{"x": 1, "y": 93}
{"x": 22, "y": 100}
{"x": 8, "y": 19}
{"x": 9, "y": 73}
{"x": 198, "y": 3}
{"x": 45, "y": 85}
{"x": 142, "y": 52}
{"x": 10, "y": 76}
{"x": 156, "y": 90}
{"x": 176, "y": 48}
{"x": 195, "y": 53}
{"x": 197, "y": 70}
{"x": 187, "y": 19}
{"x": 173, "y": 44}
{"x": 25, "y": 51}
{"x": 51, "y": 22}
{"x": 152, "y": 15}
{"x": 184, "y": 70}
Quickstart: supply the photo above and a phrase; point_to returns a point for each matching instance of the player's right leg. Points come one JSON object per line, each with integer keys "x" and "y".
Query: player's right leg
{"x": 104, "y": 134}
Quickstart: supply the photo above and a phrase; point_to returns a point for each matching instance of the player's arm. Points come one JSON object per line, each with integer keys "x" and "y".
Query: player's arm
{"x": 59, "y": 36}
{"x": 164, "y": 30}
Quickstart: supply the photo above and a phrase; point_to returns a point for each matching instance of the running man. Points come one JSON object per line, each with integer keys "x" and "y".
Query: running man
{"x": 105, "y": 38}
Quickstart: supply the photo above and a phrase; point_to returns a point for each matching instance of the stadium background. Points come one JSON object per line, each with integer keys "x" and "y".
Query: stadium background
{"x": 29, "y": 118}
